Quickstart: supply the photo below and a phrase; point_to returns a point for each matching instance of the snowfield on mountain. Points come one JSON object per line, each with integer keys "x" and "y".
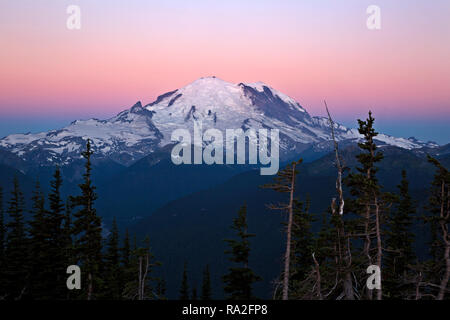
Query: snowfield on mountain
{"x": 141, "y": 130}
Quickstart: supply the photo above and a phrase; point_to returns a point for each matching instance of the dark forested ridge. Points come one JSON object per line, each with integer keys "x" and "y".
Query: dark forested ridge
{"x": 195, "y": 225}
{"x": 159, "y": 231}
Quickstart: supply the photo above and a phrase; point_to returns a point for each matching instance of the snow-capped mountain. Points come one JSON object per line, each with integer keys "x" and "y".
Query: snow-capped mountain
{"x": 127, "y": 137}
{"x": 140, "y": 130}
{"x": 223, "y": 105}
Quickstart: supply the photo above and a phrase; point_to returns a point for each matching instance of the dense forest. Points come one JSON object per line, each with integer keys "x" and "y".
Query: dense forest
{"x": 363, "y": 227}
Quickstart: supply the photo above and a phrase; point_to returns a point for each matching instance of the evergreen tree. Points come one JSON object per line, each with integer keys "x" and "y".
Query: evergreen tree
{"x": 161, "y": 289}
{"x": 68, "y": 245}
{"x": 399, "y": 242}
{"x": 326, "y": 255}
{"x": 194, "y": 293}
{"x": 323, "y": 265}
{"x": 2, "y": 242}
{"x": 67, "y": 236}
{"x": 240, "y": 278}
{"x": 2, "y": 228}
{"x": 113, "y": 271}
{"x": 302, "y": 247}
{"x": 184, "y": 289}
{"x": 40, "y": 260}
{"x": 367, "y": 200}
{"x": 148, "y": 261}
{"x": 126, "y": 251}
{"x": 439, "y": 220}
{"x": 139, "y": 274}
{"x": 87, "y": 229}
{"x": 128, "y": 273}
{"x": 56, "y": 252}
{"x": 206, "y": 285}
{"x": 16, "y": 253}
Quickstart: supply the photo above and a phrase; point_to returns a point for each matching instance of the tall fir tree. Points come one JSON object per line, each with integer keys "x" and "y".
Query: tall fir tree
{"x": 240, "y": 278}
{"x": 40, "y": 258}
{"x": 323, "y": 264}
{"x": 160, "y": 289}
{"x": 69, "y": 255}
{"x": 126, "y": 250}
{"x": 184, "y": 288}
{"x": 302, "y": 248}
{"x": 2, "y": 242}
{"x": 16, "y": 253}
{"x": 87, "y": 230}
{"x": 439, "y": 221}
{"x": 399, "y": 242}
{"x": 194, "y": 293}
{"x": 138, "y": 283}
{"x": 367, "y": 200}
{"x": 113, "y": 270}
{"x": 206, "y": 285}
{"x": 68, "y": 245}
{"x": 128, "y": 273}
{"x": 148, "y": 262}
{"x": 54, "y": 221}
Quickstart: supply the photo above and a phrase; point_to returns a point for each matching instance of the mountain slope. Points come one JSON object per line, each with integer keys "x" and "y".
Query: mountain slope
{"x": 153, "y": 181}
{"x": 193, "y": 227}
{"x": 125, "y": 138}
{"x": 139, "y": 131}
{"x": 223, "y": 105}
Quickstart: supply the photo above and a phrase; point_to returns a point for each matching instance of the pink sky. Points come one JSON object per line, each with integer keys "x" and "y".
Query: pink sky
{"x": 311, "y": 50}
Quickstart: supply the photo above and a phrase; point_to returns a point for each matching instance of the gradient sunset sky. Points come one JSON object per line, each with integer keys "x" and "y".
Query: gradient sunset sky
{"x": 132, "y": 50}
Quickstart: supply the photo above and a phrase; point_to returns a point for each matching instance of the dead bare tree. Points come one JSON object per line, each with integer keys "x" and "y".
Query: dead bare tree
{"x": 140, "y": 280}
{"x": 142, "y": 276}
{"x": 379, "y": 244}
{"x": 338, "y": 163}
{"x": 285, "y": 183}
{"x": 90, "y": 286}
{"x": 344, "y": 250}
{"x": 419, "y": 280}
{"x": 318, "y": 278}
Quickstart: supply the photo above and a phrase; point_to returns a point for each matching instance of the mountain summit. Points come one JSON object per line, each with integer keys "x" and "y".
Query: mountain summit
{"x": 141, "y": 130}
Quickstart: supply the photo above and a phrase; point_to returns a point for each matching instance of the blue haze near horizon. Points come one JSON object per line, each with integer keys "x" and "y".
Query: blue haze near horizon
{"x": 426, "y": 130}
